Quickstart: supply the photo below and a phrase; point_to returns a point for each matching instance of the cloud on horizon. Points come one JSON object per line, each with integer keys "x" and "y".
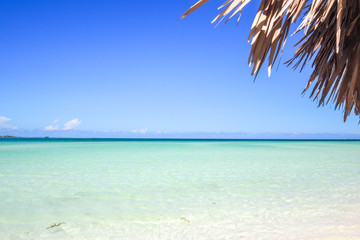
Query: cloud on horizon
{"x": 141, "y": 131}
{"x": 3, "y": 124}
{"x": 51, "y": 128}
{"x": 71, "y": 124}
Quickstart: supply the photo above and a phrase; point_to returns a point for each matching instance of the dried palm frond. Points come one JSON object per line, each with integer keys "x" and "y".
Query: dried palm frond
{"x": 331, "y": 35}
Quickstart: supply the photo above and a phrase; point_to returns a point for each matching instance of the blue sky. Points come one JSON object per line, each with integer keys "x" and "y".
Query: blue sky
{"x": 134, "y": 66}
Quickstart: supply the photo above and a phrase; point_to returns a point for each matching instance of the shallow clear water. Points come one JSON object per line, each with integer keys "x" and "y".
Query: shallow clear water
{"x": 111, "y": 189}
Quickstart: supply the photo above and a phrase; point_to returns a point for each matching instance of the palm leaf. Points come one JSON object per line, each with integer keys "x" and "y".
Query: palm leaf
{"x": 331, "y": 41}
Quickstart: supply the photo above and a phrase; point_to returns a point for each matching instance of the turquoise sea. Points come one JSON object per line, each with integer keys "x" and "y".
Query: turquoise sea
{"x": 106, "y": 189}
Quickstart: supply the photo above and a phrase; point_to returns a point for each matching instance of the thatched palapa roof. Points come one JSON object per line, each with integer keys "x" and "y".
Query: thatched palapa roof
{"x": 331, "y": 41}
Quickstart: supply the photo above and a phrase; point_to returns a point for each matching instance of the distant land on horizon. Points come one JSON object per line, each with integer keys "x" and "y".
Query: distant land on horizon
{"x": 176, "y": 139}
{"x": 6, "y": 133}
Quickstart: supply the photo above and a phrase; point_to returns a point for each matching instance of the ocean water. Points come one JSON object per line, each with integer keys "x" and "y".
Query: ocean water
{"x": 162, "y": 190}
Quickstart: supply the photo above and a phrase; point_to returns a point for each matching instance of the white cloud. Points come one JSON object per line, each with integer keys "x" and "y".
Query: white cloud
{"x": 4, "y": 119}
{"x": 141, "y": 131}
{"x": 71, "y": 124}
{"x": 51, "y": 128}
{"x": 3, "y": 124}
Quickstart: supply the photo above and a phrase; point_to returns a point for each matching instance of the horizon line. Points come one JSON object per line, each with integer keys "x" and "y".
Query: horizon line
{"x": 181, "y": 139}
